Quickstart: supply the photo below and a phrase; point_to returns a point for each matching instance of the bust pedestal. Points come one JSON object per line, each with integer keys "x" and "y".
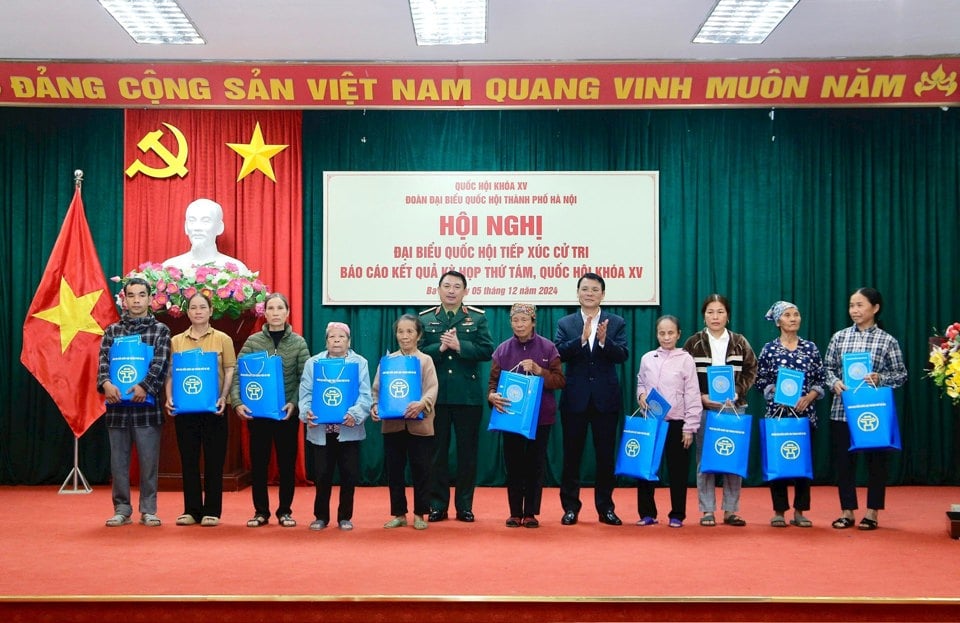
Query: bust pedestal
{"x": 235, "y": 476}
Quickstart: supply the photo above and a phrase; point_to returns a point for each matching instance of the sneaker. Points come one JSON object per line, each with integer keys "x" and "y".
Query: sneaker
{"x": 647, "y": 521}
{"x": 186, "y": 520}
{"x": 676, "y": 523}
{"x": 397, "y": 522}
{"x": 346, "y": 524}
{"x": 419, "y": 523}
{"x": 318, "y": 524}
{"x": 118, "y": 520}
{"x": 149, "y": 519}
{"x": 209, "y": 521}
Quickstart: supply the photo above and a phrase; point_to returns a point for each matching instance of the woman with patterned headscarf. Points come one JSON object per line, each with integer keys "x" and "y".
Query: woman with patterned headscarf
{"x": 793, "y": 352}
{"x": 526, "y": 459}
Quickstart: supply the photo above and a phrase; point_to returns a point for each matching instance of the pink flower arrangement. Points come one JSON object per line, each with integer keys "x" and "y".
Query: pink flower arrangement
{"x": 232, "y": 293}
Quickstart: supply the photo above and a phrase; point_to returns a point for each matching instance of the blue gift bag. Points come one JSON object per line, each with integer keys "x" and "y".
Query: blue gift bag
{"x": 129, "y": 363}
{"x": 641, "y": 446}
{"x": 785, "y": 449}
{"x": 261, "y": 385}
{"x": 720, "y": 386}
{"x": 399, "y": 385}
{"x": 726, "y": 443}
{"x": 872, "y": 418}
{"x": 789, "y": 387}
{"x": 195, "y": 381}
{"x": 855, "y": 367}
{"x": 336, "y": 388}
{"x": 524, "y": 393}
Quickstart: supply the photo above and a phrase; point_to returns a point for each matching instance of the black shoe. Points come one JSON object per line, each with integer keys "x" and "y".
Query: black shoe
{"x": 569, "y": 518}
{"x": 435, "y": 516}
{"x": 465, "y": 516}
{"x": 610, "y": 518}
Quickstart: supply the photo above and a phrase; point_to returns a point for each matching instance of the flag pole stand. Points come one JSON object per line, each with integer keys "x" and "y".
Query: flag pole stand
{"x": 75, "y": 474}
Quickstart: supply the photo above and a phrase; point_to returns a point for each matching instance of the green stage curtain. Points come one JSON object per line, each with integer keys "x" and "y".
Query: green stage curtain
{"x": 39, "y": 151}
{"x": 804, "y": 205}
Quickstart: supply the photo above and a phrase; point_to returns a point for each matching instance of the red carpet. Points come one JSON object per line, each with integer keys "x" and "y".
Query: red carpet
{"x": 56, "y": 550}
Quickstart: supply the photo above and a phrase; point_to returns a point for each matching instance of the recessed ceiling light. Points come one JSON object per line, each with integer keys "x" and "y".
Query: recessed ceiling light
{"x": 743, "y": 21}
{"x": 449, "y": 22}
{"x": 153, "y": 21}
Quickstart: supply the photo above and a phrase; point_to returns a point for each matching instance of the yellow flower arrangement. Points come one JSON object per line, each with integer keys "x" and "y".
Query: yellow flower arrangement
{"x": 945, "y": 363}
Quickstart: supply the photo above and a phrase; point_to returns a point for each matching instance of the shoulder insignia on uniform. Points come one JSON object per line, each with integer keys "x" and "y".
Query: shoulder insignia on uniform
{"x": 479, "y": 310}
{"x": 429, "y": 310}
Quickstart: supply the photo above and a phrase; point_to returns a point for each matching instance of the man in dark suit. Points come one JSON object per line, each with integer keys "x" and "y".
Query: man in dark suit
{"x": 592, "y": 343}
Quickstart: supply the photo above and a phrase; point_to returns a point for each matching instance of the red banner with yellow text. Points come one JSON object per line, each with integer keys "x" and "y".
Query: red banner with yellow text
{"x": 848, "y": 82}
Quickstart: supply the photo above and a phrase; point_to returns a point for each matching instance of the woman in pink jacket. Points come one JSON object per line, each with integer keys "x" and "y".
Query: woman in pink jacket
{"x": 672, "y": 372}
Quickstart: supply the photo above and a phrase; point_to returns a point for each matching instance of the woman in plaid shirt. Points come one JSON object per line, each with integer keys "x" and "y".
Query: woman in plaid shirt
{"x": 888, "y": 370}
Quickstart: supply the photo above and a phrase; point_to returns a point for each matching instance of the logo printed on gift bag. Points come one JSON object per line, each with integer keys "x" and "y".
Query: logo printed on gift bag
{"x": 868, "y": 421}
{"x": 127, "y": 373}
{"x": 632, "y": 449}
{"x": 332, "y": 397}
{"x": 790, "y": 450}
{"x": 724, "y": 446}
{"x": 192, "y": 385}
{"x": 254, "y": 391}
{"x": 399, "y": 388}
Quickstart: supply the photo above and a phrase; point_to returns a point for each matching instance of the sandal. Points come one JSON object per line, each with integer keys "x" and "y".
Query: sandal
{"x": 868, "y": 524}
{"x": 842, "y": 523}
{"x": 779, "y": 522}
{"x": 531, "y": 522}
{"x": 149, "y": 519}
{"x": 287, "y": 521}
{"x": 514, "y": 522}
{"x": 801, "y": 522}
{"x": 735, "y": 520}
{"x": 647, "y": 521}
{"x": 708, "y": 520}
{"x": 256, "y": 521}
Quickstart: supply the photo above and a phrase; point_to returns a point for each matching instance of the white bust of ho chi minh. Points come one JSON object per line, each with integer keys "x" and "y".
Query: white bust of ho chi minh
{"x": 203, "y": 223}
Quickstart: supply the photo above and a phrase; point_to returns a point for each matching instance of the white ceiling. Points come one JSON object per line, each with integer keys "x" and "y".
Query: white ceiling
{"x": 534, "y": 30}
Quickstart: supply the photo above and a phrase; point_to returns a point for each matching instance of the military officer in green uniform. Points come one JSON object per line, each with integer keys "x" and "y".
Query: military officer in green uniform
{"x": 456, "y": 337}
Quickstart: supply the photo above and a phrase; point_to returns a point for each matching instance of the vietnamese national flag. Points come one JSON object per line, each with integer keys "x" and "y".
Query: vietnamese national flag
{"x": 62, "y": 331}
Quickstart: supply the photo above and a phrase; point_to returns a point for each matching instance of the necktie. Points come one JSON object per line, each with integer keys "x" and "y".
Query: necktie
{"x": 450, "y": 316}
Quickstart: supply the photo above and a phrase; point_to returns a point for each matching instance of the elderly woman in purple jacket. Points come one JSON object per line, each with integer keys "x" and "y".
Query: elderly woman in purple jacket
{"x": 526, "y": 459}
{"x": 672, "y": 372}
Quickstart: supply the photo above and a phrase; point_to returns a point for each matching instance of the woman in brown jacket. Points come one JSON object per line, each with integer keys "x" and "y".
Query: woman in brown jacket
{"x": 409, "y": 438}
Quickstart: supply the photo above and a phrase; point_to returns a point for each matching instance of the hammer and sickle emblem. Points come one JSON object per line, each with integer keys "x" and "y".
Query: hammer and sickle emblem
{"x": 175, "y": 163}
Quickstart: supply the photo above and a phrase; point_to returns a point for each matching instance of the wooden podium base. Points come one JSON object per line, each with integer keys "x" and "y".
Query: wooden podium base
{"x": 235, "y": 476}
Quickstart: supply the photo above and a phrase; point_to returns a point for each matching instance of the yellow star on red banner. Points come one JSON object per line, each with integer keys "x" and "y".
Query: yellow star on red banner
{"x": 73, "y": 314}
{"x": 256, "y": 155}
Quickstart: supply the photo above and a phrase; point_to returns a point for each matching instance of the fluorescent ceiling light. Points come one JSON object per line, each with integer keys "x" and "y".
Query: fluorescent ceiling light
{"x": 449, "y": 22}
{"x": 743, "y": 21}
{"x": 153, "y": 21}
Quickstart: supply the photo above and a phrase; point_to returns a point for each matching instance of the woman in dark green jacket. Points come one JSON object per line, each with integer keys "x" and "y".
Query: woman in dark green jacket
{"x": 276, "y": 338}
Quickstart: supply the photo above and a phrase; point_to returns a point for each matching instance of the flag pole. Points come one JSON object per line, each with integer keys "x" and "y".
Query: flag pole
{"x": 75, "y": 474}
